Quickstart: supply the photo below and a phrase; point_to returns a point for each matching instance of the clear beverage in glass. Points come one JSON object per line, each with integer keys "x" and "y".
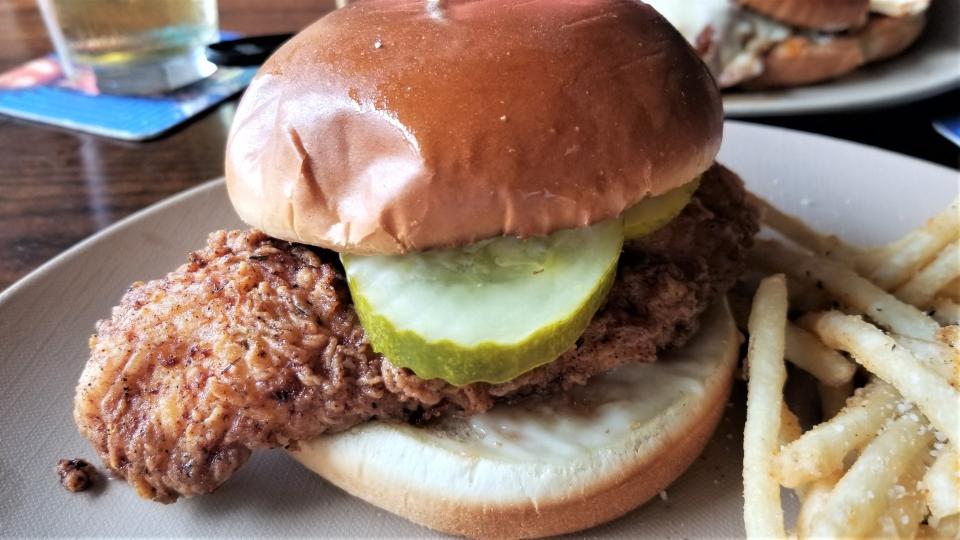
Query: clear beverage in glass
{"x": 133, "y": 46}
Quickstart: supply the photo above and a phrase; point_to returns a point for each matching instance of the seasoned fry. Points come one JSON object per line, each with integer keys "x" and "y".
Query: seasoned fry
{"x": 815, "y": 496}
{"x": 799, "y": 232}
{"x": 951, "y": 291}
{"x": 922, "y": 287}
{"x": 790, "y": 428}
{"x": 820, "y": 452}
{"x": 833, "y": 398}
{"x": 935, "y": 356}
{"x": 943, "y": 483}
{"x": 806, "y": 296}
{"x": 906, "y": 507}
{"x": 945, "y": 310}
{"x": 894, "y": 263}
{"x": 884, "y": 432}
{"x": 766, "y": 372}
{"x": 806, "y": 351}
{"x": 881, "y": 355}
{"x": 950, "y": 335}
{"x": 947, "y": 528}
{"x": 849, "y": 288}
{"x": 857, "y": 502}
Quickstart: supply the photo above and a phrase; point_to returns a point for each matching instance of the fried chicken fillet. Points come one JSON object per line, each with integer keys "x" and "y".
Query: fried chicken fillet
{"x": 254, "y": 343}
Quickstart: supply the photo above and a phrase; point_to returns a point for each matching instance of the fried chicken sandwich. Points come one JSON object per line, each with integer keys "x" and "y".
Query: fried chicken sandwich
{"x": 485, "y": 288}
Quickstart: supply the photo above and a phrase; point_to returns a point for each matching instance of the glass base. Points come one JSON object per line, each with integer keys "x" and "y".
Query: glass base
{"x": 154, "y": 77}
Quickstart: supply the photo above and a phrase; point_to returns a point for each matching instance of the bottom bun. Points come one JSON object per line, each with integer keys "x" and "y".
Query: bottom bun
{"x": 545, "y": 465}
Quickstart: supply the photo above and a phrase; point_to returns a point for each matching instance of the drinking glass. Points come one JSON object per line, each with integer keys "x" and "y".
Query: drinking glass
{"x": 133, "y": 46}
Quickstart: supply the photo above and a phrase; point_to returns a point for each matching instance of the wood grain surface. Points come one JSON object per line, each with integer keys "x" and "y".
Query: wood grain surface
{"x": 58, "y": 187}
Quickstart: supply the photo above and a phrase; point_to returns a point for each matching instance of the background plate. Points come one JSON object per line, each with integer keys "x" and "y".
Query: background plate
{"x": 932, "y": 66}
{"x": 865, "y": 194}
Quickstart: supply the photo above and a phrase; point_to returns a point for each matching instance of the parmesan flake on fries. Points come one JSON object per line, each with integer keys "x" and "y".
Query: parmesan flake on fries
{"x": 881, "y": 354}
{"x": 865, "y": 471}
{"x": 820, "y": 451}
{"x": 906, "y": 507}
{"x": 942, "y": 483}
{"x": 855, "y": 504}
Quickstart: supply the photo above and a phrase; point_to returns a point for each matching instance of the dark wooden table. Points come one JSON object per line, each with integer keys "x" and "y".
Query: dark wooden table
{"x": 58, "y": 187}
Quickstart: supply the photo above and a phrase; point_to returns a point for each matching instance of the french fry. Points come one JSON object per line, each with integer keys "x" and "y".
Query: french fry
{"x": 906, "y": 508}
{"x": 894, "y": 263}
{"x": 942, "y": 483}
{"x": 815, "y": 495}
{"x": 820, "y": 451}
{"x": 951, "y": 291}
{"x": 888, "y": 490}
{"x": 833, "y": 398}
{"x": 881, "y": 355}
{"x": 922, "y": 287}
{"x": 800, "y": 233}
{"x": 766, "y": 372}
{"x": 847, "y": 286}
{"x": 790, "y": 428}
{"x": 947, "y": 528}
{"x": 803, "y": 296}
{"x": 805, "y": 350}
{"x": 855, "y": 504}
{"x": 806, "y": 296}
{"x": 950, "y": 336}
{"x": 935, "y": 356}
{"x": 945, "y": 310}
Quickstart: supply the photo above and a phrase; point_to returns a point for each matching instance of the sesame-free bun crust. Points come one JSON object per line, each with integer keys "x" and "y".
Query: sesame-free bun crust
{"x": 389, "y": 126}
{"x": 825, "y": 15}
{"x": 452, "y": 479}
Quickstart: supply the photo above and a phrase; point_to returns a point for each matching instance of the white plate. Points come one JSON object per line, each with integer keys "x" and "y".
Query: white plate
{"x": 867, "y": 195}
{"x": 929, "y": 68}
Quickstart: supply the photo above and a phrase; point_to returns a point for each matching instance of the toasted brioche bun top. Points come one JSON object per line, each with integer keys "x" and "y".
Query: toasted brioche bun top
{"x": 392, "y": 126}
{"x": 826, "y": 15}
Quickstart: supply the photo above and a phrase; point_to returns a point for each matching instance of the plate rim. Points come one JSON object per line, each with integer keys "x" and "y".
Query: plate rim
{"x": 775, "y": 108}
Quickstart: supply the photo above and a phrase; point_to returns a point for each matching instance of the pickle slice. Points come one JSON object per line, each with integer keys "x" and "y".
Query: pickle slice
{"x": 487, "y": 312}
{"x": 650, "y": 214}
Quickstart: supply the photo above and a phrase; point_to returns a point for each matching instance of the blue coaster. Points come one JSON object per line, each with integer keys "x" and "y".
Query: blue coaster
{"x": 38, "y": 91}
